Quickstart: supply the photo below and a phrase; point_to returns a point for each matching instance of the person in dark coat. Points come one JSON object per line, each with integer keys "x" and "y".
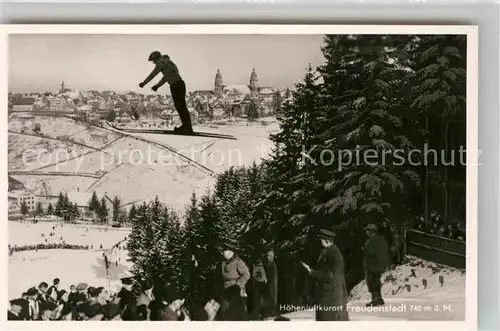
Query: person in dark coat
{"x": 143, "y": 301}
{"x": 272, "y": 279}
{"x": 128, "y": 300}
{"x": 330, "y": 290}
{"x": 235, "y": 274}
{"x": 376, "y": 260}
{"x": 171, "y": 75}
{"x": 15, "y": 311}
{"x": 52, "y": 292}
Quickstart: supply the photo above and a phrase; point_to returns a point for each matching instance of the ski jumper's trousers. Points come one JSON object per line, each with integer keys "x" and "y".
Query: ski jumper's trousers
{"x": 178, "y": 90}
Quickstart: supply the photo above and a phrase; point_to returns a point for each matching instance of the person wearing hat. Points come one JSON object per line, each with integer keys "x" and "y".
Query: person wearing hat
{"x": 235, "y": 274}
{"x": 33, "y": 304}
{"x": 375, "y": 261}
{"x": 171, "y": 75}
{"x": 272, "y": 279}
{"x": 128, "y": 300}
{"x": 15, "y": 311}
{"x": 331, "y": 290}
{"x": 144, "y": 300}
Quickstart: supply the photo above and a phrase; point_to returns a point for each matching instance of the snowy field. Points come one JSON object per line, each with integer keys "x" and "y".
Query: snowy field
{"x": 29, "y": 268}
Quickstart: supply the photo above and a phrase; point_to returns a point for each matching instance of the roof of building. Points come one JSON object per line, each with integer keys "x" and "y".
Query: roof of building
{"x": 14, "y": 181}
{"x": 242, "y": 89}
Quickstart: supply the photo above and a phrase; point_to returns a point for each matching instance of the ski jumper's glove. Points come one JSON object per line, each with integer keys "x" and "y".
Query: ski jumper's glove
{"x": 141, "y": 85}
{"x": 155, "y": 88}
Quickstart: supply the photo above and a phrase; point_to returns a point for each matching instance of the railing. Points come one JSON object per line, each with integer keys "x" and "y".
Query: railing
{"x": 435, "y": 248}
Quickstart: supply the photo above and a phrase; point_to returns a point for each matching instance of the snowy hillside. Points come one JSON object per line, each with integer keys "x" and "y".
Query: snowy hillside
{"x": 135, "y": 167}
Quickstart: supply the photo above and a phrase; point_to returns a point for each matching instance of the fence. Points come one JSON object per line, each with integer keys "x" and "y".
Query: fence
{"x": 434, "y": 248}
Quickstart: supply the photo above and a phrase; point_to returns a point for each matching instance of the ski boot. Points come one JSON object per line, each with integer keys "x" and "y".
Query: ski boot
{"x": 183, "y": 129}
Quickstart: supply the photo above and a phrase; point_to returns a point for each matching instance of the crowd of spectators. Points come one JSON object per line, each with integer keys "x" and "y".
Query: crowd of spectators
{"x": 132, "y": 303}
{"x": 436, "y": 226}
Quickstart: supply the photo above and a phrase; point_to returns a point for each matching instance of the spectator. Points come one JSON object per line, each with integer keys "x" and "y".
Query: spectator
{"x": 235, "y": 275}
{"x": 52, "y": 292}
{"x": 376, "y": 260}
{"x": 15, "y": 310}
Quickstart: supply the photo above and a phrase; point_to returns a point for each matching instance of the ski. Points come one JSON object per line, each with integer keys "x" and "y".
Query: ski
{"x": 172, "y": 132}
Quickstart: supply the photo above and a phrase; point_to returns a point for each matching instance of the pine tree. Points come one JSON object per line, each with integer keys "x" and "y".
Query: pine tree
{"x": 111, "y": 116}
{"x": 277, "y": 102}
{"x": 103, "y": 210}
{"x": 368, "y": 121}
{"x": 50, "y": 209}
{"x": 39, "y": 209}
{"x": 76, "y": 211}
{"x": 132, "y": 212}
{"x": 253, "y": 112}
{"x": 437, "y": 100}
{"x": 60, "y": 206}
{"x": 116, "y": 209}
{"x": 289, "y": 172}
{"x": 94, "y": 202}
{"x": 210, "y": 234}
{"x": 190, "y": 251}
{"x": 24, "y": 208}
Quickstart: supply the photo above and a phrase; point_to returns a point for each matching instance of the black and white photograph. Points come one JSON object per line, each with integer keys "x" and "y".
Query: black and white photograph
{"x": 218, "y": 174}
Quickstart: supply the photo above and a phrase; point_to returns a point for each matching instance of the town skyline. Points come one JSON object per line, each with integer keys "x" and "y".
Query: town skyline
{"x": 108, "y": 62}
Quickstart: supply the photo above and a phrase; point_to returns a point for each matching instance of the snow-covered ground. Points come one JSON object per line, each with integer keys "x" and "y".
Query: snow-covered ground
{"x": 29, "y": 268}
{"x": 406, "y": 297}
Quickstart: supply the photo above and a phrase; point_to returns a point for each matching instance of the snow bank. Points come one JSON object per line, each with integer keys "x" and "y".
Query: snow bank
{"x": 408, "y": 280}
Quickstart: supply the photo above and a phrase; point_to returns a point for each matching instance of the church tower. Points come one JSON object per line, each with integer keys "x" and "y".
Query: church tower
{"x": 218, "y": 84}
{"x": 62, "y": 89}
{"x": 254, "y": 82}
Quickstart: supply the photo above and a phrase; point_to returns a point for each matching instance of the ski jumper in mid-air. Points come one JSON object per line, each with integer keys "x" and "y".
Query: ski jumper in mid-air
{"x": 171, "y": 75}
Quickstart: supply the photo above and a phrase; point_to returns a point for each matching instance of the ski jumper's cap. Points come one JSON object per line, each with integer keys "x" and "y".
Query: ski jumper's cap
{"x": 154, "y": 55}
{"x": 326, "y": 234}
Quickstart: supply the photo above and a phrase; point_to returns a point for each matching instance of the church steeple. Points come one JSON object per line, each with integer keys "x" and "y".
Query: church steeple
{"x": 61, "y": 90}
{"x": 254, "y": 82}
{"x": 219, "y": 85}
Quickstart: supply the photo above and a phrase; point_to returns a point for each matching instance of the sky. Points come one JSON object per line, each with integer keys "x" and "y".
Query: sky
{"x": 38, "y": 63}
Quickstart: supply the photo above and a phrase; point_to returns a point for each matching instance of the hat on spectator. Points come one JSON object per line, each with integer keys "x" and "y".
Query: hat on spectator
{"x": 371, "y": 227}
{"x": 92, "y": 291}
{"x": 32, "y": 291}
{"x": 81, "y": 286}
{"x": 326, "y": 234}
{"x": 18, "y": 302}
{"x": 127, "y": 280}
{"x": 229, "y": 247}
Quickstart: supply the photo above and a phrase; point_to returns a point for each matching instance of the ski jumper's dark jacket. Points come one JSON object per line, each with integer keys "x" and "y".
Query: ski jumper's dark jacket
{"x": 168, "y": 69}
